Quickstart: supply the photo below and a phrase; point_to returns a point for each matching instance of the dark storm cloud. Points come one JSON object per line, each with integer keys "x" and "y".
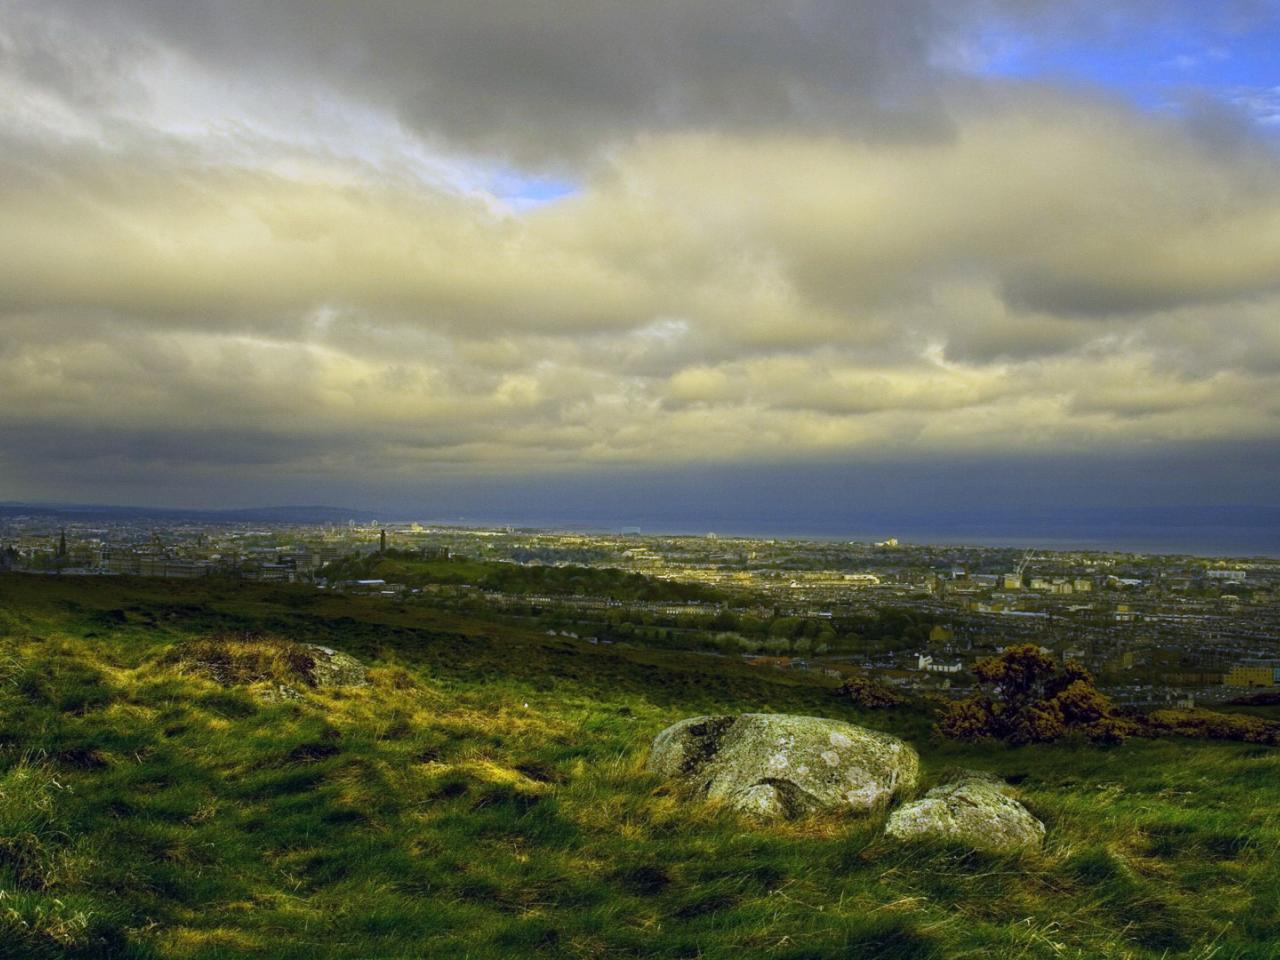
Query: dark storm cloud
{"x": 542, "y": 79}
{"x": 56, "y": 443}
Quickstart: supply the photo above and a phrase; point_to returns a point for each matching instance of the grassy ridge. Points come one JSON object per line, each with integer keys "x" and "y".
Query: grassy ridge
{"x": 485, "y": 796}
{"x": 406, "y": 567}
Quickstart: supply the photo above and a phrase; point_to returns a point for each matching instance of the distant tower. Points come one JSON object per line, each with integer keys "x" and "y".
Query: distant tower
{"x": 383, "y": 539}
{"x": 62, "y": 543}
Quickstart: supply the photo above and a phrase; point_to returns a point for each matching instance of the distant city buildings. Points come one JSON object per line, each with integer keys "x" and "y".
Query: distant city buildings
{"x": 1231, "y": 576}
{"x": 1153, "y": 629}
{"x": 1252, "y": 675}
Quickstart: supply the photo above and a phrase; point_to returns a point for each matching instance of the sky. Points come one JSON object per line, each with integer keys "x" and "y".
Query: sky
{"x": 730, "y": 258}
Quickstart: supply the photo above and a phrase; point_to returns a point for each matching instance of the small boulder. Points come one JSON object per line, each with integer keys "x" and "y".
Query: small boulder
{"x": 333, "y": 668}
{"x": 779, "y": 766}
{"x": 975, "y": 809}
{"x": 324, "y": 668}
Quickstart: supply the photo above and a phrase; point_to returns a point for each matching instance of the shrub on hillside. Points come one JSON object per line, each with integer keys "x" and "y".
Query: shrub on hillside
{"x": 1263, "y": 698}
{"x": 865, "y": 692}
{"x": 1027, "y": 697}
{"x": 1209, "y": 725}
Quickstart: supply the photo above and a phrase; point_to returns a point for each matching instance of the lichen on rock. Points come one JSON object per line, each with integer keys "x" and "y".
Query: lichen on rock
{"x": 975, "y": 809}
{"x": 333, "y": 668}
{"x": 779, "y": 766}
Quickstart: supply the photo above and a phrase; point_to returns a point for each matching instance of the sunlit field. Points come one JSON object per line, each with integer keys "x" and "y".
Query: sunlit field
{"x": 484, "y": 795}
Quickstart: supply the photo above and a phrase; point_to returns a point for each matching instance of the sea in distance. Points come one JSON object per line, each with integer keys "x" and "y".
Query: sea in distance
{"x": 1194, "y": 531}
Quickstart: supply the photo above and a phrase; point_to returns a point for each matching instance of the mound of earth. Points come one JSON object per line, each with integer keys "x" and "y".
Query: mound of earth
{"x": 782, "y": 766}
{"x": 974, "y": 809}
{"x": 248, "y": 659}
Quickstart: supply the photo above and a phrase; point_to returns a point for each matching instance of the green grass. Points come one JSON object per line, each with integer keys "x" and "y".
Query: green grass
{"x": 484, "y": 796}
{"x": 398, "y": 566}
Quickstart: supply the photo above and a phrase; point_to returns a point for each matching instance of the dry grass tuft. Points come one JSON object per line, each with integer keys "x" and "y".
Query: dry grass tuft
{"x": 239, "y": 659}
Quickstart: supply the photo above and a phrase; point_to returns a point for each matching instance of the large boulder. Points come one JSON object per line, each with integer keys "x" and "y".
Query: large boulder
{"x": 776, "y": 765}
{"x": 975, "y": 809}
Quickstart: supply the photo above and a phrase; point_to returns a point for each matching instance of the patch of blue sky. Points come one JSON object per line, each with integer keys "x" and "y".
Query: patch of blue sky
{"x": 1152, "y": 64}
{"x": 524, "y": 191}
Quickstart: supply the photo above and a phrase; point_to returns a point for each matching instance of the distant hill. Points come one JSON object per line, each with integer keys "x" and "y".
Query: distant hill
{"x": 104, "y": 512}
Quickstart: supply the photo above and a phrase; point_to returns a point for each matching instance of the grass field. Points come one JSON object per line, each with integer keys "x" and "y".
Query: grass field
{"x": 484, "y": 796}
{"x": 403, "y": 567}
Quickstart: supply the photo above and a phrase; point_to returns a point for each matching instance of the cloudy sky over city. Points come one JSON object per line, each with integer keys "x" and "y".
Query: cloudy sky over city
{"x": 399, "y": 253}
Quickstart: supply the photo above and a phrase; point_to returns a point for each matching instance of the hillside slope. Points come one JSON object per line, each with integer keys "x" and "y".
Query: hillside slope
{"x": 484, "y": 796}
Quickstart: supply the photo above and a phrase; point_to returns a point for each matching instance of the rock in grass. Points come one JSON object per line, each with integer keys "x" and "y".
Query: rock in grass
{"x": 333, "y": 668}
{"x": 778, "y": 766}
{"x": 974, "y": 809}
{"x": 324, "y": 667}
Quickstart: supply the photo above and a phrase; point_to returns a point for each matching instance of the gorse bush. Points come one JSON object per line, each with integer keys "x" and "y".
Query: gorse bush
{"x": 1026, "y": 697}
{"x": 1210, "y": 725}
{"x": 867, "y": 693}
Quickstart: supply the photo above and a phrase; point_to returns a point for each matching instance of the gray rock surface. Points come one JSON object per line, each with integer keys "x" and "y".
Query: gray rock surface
{"x": 329, "y": 668}
{"x": 776, "y": 765}
{"x": 335, "y": 669}
{"x": 975, "y": 809}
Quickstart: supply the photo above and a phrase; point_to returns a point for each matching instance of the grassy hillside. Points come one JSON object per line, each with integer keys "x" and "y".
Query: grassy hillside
{"x": 406, "y": 567}
{"x": 484, "y": 796}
